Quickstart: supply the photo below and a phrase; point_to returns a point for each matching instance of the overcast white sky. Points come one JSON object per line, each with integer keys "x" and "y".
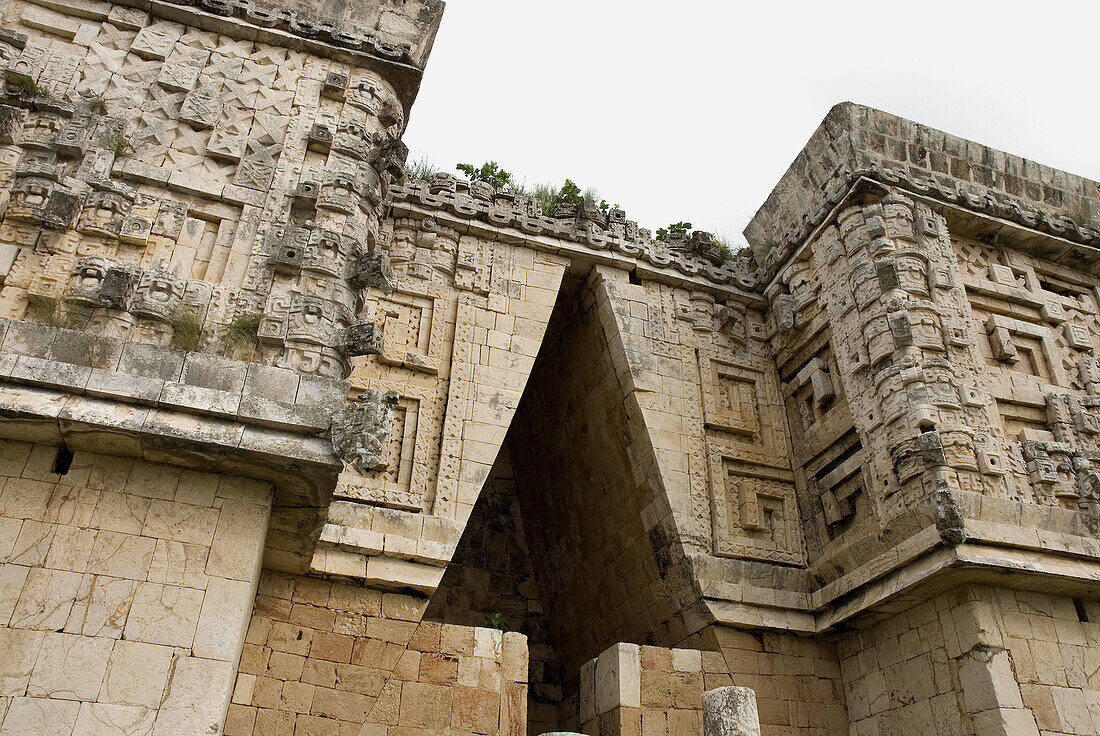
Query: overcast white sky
{"x": 692, "y": 110}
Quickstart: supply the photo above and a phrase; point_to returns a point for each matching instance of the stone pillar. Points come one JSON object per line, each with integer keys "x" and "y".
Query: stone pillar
{"x": 730, "y": 711}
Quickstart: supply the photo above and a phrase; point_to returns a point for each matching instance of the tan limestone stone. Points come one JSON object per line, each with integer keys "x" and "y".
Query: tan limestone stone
{"x": 136, "y": 674}
{"x": 69, "y": 667}
{"x": 164, "y": 614}
{"x": 197, "y": 698}
{"x": 40, "y": 717}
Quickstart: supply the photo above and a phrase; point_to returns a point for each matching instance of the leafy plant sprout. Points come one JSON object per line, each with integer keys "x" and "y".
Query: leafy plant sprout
{"x": 242, "y": 336}
{"x": 676, "y": 228}
{"x": 421, "y": 168}
{"x": 187, "y": 329}
{"x": 547, "y": 195}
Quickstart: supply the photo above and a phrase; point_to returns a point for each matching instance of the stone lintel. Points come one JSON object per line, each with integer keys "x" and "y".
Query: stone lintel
{"x": 302, "y": 469}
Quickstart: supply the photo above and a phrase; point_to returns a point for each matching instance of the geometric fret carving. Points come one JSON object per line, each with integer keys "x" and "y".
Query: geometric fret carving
{"x": 756, "y": 513}
{"x": 412, "y": 331}
{"x": 394, "y": 483}
{"x": 730, "y": 398}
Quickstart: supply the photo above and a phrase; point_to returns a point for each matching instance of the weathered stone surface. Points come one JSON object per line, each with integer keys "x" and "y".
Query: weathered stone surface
{"x": 136, "y": 674}
{"x": 359, "y": 432}
{"x": 364, "y": 338}
{"x": 197, "y": 695}
{"x": 208, "y": 244}
{"x": 730, "y": 711}
{"x": 373, "y": 269}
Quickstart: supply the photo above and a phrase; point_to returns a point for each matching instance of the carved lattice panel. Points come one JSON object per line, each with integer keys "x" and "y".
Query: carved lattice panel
{"x": 742, "y": 409}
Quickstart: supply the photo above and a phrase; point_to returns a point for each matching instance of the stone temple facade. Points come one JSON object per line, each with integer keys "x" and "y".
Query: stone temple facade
{"x": 295, "y": 445}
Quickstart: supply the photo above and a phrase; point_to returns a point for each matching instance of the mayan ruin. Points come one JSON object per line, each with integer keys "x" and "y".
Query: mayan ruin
{"x": 294, "y": 443}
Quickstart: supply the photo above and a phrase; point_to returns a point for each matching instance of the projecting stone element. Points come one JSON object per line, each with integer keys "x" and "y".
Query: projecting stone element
{"x": 305, "y": 194}
{"x": 730, "y": 711}
{"x": 352, "y": 139}
{"x": 97, "y": 283}
{"x": 948, "y": 516}
{"x": 36, "y": 196}
{"x": 319, "y": 138}
{"x": 335, "y": 85}
{"x": 783, "y": 307}
{"x": 75, "y": 136}
{"x": 373, "y": 269}
{"x": 157, "y": 296}
{"x": 390, "y": 156}
{"x": 363, "y": 338}
{"x": 360, "y": 430}
{"x": 58, "y": 211}
{"x": 701, "y": 244}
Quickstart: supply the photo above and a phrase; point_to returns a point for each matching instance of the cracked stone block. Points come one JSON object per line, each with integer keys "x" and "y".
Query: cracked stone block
{"x": 335, "y": 85}
{"x": 364, "y": 338}
{"x": 373, "y": 269}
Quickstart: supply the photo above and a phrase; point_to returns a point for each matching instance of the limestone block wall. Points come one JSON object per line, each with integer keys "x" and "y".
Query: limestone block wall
{"x": 938, "y": 391}
{"x": 332, "y": 658}
{"x": 125, "y": 590}
{"x": 192, "y": 183}
{"x": 604, "y": 559}
{"x": 1052, "y": 644}
{"x": 460, "y": 332}
{"x": 655, "y": 691}
{"x": 631, "y": 689}
{"x": 977, "y": 660}
{"x": 491, "y": 577}
{"x": 1036, "y": 326}
{"x": 797, "y": 679}
{"x": 855, "y": 140}
{"x": 710, "y": 404}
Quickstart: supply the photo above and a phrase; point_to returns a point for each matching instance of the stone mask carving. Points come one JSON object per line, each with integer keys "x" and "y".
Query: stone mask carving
{"x": 359, "y": 431}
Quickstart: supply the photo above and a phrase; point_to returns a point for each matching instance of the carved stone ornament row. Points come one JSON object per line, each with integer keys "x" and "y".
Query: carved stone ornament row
{"x": 993, "y": 203}
{"x": 697, "y": 256}
{"x": 352, "y": 38}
